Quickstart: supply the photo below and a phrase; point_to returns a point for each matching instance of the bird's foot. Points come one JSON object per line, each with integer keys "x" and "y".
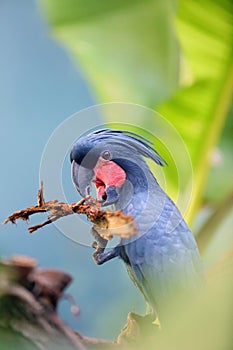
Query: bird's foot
{"x": 101, "y": 257}
{"x": 99, "y": 252}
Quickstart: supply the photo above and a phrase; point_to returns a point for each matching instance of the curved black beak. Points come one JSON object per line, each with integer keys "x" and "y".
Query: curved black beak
{"x": 82, "y": 178}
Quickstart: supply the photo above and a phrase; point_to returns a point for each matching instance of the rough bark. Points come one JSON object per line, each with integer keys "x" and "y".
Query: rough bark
{"x": 28, "y": 309}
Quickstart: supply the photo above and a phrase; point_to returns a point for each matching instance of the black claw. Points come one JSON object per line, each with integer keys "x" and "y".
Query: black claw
{"x": 98, "y": 258}
{"x": 94, "y": 245}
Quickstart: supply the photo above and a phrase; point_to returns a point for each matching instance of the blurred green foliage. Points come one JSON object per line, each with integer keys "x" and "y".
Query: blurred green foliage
{"x": 198, "y": 110}
{"x": 128, "y": 48}
{"x": 176, "y": 58}
{"x": 219, "y": 181}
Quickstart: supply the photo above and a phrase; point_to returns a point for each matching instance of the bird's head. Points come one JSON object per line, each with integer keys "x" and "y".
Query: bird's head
{"x": 103, "y": 157}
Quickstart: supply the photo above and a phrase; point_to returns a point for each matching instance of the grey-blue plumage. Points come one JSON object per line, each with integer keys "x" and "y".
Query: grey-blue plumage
{"x": 162, "y": 259}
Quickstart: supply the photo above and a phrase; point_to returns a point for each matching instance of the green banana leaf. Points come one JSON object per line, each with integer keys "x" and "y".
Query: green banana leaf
{"x": 128, "y": 49}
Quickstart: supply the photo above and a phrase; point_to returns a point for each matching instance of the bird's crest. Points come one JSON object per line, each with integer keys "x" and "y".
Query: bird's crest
{"x": 133, "y": 140}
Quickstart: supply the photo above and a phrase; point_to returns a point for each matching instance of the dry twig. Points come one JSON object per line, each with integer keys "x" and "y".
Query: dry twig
{"x": 107, "y": 223}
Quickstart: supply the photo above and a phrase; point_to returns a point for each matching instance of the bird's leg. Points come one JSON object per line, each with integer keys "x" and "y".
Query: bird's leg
{"x": 100, "y": 244}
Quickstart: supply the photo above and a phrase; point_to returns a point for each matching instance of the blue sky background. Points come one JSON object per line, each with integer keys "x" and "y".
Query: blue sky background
{"x": 39, "y": 88}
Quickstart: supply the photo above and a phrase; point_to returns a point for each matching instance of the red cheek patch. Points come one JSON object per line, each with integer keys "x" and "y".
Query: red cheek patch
{"x": 108, "y": 173}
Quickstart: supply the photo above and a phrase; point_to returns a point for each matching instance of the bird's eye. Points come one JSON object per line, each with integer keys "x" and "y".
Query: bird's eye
{"x": 106, "y": 155}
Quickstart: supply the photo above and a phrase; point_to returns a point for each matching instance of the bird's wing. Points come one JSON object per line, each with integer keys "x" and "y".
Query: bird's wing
{"x": 165, "y": 261}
